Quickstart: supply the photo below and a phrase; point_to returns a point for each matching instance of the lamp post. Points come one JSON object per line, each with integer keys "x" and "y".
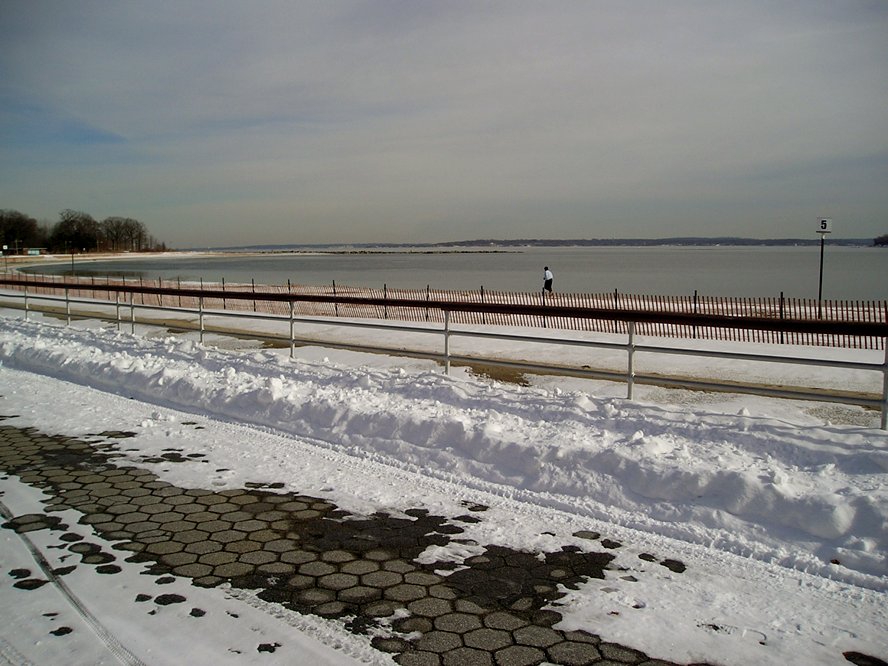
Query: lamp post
{"x": 824, "y": 226}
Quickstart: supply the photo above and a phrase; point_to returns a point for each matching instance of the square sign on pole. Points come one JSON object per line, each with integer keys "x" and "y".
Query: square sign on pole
{"x": 824, "y": 226}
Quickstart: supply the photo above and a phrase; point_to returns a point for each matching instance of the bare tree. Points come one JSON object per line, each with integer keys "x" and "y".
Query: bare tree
{"x": 75, "y": 231}
{"x": 18, "y": 231}
{"x": 133, "y": 234}
{"x": 113, "y": 232}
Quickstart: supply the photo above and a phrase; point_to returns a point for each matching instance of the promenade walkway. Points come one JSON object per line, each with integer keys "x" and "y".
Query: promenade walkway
{"x": 314, "y": 558}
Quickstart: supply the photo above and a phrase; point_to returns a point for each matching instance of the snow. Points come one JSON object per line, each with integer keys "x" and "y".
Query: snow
{"x": 778, "y": 508}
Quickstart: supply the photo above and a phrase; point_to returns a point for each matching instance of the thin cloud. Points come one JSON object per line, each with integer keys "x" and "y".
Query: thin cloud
{"x": 363, "y": 121}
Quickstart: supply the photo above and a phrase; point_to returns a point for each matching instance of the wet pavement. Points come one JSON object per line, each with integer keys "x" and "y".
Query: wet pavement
{"x": 311, "y": 557}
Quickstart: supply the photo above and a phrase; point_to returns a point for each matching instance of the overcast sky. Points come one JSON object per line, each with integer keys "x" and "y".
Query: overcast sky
{"x": 229, "y": 122}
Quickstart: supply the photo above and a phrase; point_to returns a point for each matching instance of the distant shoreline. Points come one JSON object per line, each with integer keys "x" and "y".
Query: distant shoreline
{"x": 503, "y": 245}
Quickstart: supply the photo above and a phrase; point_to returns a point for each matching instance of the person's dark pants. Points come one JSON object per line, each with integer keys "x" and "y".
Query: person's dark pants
{"x": 547, "y": 286}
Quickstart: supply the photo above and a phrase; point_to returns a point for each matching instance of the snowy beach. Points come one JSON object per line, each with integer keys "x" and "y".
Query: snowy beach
{"x": 777, "y": 509}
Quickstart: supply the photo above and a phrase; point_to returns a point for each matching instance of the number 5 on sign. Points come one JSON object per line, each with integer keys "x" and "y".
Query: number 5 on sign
{"x": 824, "y": 225}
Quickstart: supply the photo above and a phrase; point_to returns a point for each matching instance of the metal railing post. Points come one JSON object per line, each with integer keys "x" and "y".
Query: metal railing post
{"x": 630, "y": 370}
{"x": 292, "y": 339}
{"x": 133, "y": 313}
{"x": 446, "y": 342}
{"x": 117, "y": 309}
{"x": 200, "y": 316}
{"x": 67, "y": 308}
{"x": 884, "y": 421}
{"x": 26, "y": 302}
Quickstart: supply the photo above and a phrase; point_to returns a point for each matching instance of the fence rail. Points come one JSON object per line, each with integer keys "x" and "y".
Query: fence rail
{"x": 632, "y": 321}
{"x": 689, "y": 317}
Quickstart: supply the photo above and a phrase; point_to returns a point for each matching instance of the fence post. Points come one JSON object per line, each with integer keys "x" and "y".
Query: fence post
{"x": 781, "y": 316}
{"x": 385, "y": 308}
{"x": 292, "y": 339}
{"x": 253, "y": 283}
{"x": 616, "y": 307}
{"x": 67, "y": 307}
{"x": 695, "y": 312}
{"x": 446, "y": 342}
{"x": 224, "y": 300}
{"x": 132, "y": 312}
{"x": 26, "y": 302}
{"x": 543, "y": 302}
{"x": 483, "y": 314}
{"x": 630, "y": 370}
{"x": 200, "y": 317}
{"x": 428, "y": 298}
{"x": 335, "y": 305}
{"x": 117, "y": 309}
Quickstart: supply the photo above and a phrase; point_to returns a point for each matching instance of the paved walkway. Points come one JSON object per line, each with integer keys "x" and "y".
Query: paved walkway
{"x": 314, "y": 558}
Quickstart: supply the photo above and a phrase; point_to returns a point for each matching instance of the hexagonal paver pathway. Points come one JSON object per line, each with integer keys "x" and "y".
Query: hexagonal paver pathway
{"x": 309, "y": 556}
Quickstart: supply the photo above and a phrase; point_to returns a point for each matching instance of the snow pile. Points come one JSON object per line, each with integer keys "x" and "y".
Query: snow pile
{"x": 812, "y": 498}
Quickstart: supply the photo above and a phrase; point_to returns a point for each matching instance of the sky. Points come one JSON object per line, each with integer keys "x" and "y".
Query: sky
{"x": 337, "y": 121}
{"x": 778, "y": 509}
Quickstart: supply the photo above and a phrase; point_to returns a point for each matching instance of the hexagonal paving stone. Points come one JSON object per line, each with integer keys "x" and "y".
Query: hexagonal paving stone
{"x": 317, "y": 568}
{"x": 458, "y": 623}
{"x": 314, "y": 596}
{"x": 280, "y": 568}
{"x": 217, "y": 558}
{"x": 570, "y": 653}
{"x": 466, "y": 656}
{"x": 438, "y": 641}
{"x": 519, "y": 655}
{"x": 211, "y": 499}
{"x": 359, "y": 567}
{"x": 250, "y": 525}
{"x": 263, "y": 536}
{"x": 166, "y": 517}
{"x": 270, "y": 516}
{"x": 429, "y": 607}
{"x": 227, "y": 536}
{"x": 619, "y": 653}
{"x": 203, "y": 547}
{"x": 382, "y": 579}
{"x": 164, "y": 548}
{"x": 421, "y": 578}
{"x": 505, "y": 621}
{"x": 154, "y": 509}
{"x": 537, "y": 636}
{"x": 177, "y": 559}
{"x": 405, "y": 592}
{"x": 488, "y": 639}
{"x": 212, "y": 525}
{"x": 192, "y": 536}
{"x": 359, "y": 594}
{"x": 337, "y": 581}
{"x": 337, "y": 556}
{"x": 232, "y": 570}
{"x": 281, "y": 545}
{"x": 195, "y": 570}
{"x": 257, "y": 557}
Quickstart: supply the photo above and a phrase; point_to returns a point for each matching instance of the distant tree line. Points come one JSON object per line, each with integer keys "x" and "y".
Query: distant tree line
{"x": 881, "y": 241}
{"x": 75, "y": 232}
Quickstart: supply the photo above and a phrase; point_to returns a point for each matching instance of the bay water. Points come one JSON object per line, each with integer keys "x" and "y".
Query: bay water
{"x": 849, "y": 273}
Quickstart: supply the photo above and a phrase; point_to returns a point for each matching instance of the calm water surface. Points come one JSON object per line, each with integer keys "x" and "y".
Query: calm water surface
{"x": 856, "y": 273}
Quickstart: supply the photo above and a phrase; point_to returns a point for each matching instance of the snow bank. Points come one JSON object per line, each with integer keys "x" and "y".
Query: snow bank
{"x": 811, "y": 497}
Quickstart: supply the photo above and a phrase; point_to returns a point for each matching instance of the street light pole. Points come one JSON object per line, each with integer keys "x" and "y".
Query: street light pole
{"x": 824, "y": 227}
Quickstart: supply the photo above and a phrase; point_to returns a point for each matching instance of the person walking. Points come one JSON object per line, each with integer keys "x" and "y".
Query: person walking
{"x": 547, "y": 279}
